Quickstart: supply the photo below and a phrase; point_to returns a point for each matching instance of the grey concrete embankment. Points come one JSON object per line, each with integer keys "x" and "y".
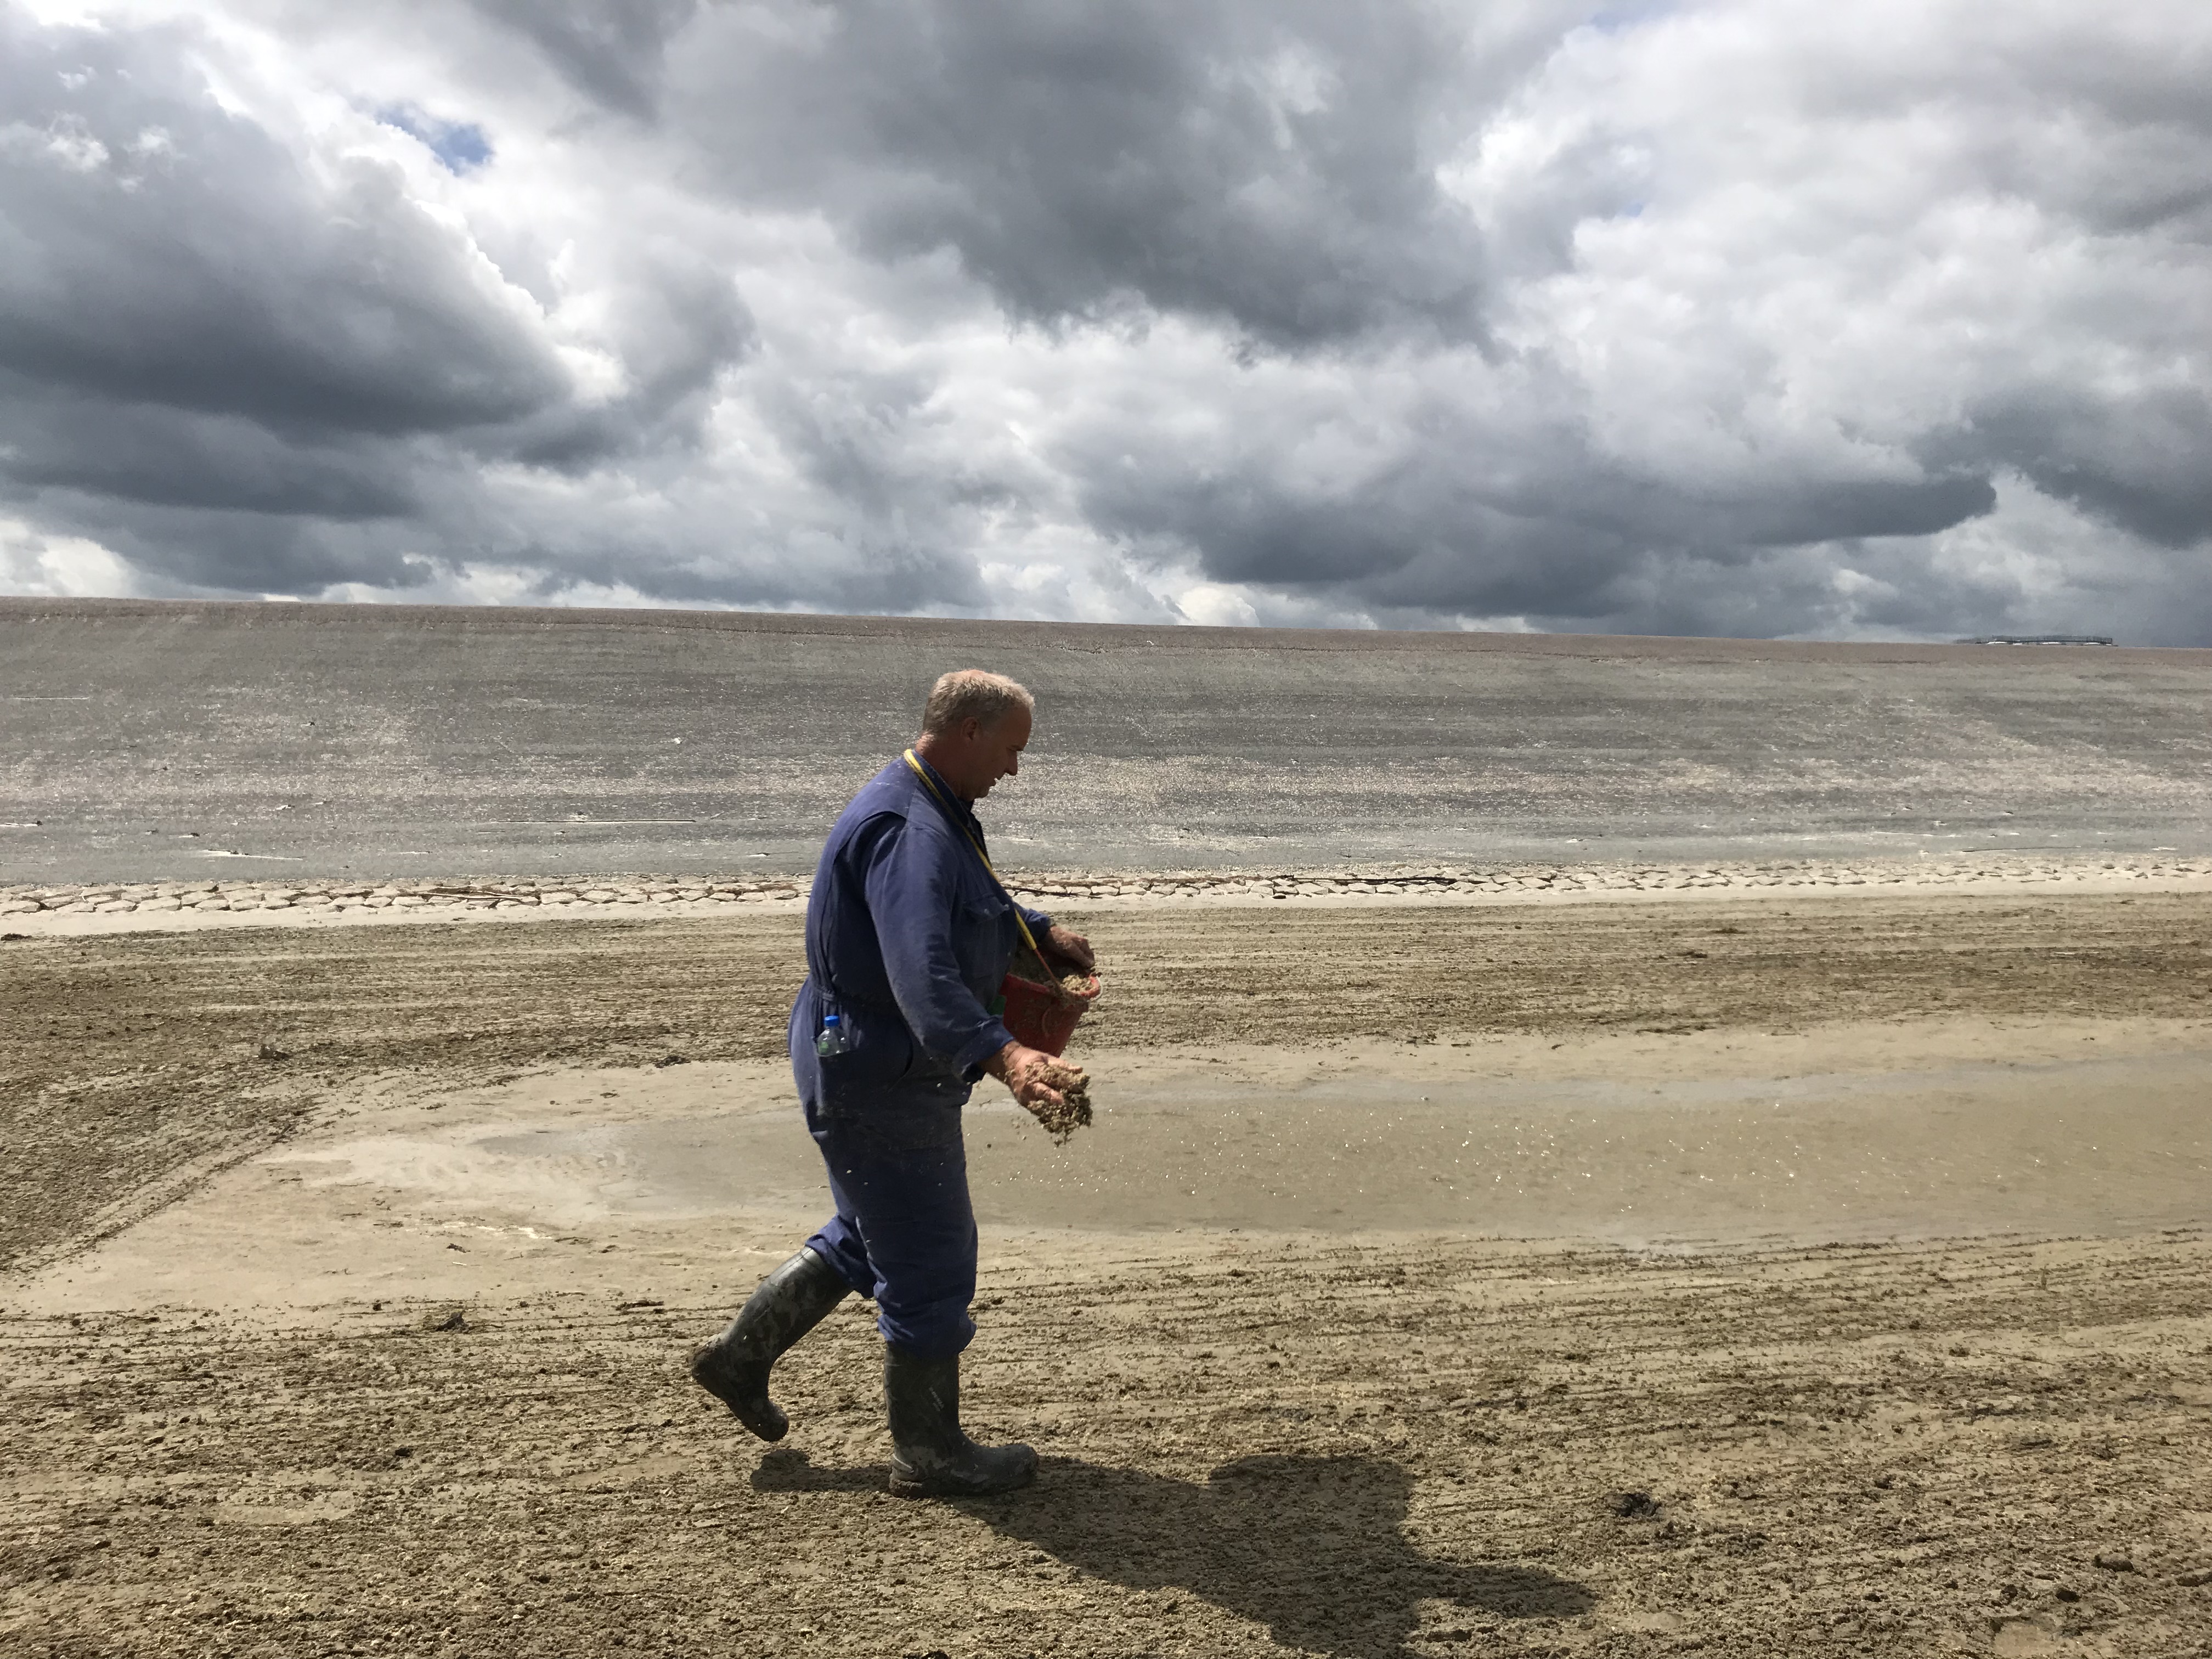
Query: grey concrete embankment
{"x": 148, "y": 741}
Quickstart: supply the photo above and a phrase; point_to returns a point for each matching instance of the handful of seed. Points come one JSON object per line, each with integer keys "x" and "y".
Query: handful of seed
{"x": 1073, "y": 1111}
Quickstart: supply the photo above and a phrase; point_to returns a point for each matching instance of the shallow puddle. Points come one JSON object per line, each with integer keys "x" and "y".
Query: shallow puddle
{"x": 2100, "y": 1145}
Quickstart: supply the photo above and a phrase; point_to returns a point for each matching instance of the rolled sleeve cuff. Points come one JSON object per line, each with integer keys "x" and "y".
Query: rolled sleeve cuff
{"x": 985, "y": 1043}
{"x": 1040, "y": 924}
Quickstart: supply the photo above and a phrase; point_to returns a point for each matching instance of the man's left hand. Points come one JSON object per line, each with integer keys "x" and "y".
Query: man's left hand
{"x": 1037, "y": 1078}
{"x": 1073, "y": 945}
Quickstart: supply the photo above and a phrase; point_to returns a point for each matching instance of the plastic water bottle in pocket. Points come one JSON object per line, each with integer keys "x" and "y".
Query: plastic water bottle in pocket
{"x": 834, "y": 1038}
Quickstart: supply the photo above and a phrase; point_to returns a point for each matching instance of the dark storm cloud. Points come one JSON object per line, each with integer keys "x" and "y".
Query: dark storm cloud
{"x": 1267, "y": 164}
{"x": 204, "y": 348}
{"x": 1747, "y": 316}
{"x": 65, "y": 439}
{"x": 610, "y": 50}
{"x": 159, "y": 250}
{"x": 1275, "y": 169}
{"x": 186, "y": 547}
{"x": 676, "y": 323}
{"x": 1439, "y": 530}
{"x": 197, "y": 316}
{"x": 2141, "y": 461}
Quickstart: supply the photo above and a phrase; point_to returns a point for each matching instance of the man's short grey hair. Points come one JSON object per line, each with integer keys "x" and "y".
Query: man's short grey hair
{"x": 973, "y": 694}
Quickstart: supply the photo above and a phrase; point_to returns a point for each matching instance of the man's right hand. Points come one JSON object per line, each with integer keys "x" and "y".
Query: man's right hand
{"x": 1035, "y": 1077}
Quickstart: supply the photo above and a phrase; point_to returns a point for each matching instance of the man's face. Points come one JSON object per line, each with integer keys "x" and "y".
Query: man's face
{"x": 996, "y": 751}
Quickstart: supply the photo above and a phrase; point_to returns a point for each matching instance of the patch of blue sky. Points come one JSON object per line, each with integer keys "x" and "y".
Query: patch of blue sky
{"x": 459, "y": 146}
{"x": 1623, "y": 15}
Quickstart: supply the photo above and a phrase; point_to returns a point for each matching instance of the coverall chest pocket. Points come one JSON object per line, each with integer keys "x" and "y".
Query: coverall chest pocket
{"x": 983, "y": 942}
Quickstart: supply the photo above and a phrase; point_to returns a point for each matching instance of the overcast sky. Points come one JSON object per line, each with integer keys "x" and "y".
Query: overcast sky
{"x": 1760, "y": 317}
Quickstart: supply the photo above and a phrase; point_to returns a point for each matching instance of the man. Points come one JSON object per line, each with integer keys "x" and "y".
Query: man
{"x": 909, "y": 937}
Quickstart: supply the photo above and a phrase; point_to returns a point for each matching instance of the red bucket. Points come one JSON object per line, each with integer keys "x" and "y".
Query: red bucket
{"x": 1044, "y": 1016}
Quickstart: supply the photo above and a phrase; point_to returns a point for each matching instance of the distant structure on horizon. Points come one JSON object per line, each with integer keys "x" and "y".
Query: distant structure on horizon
{"x": 2037, "y": 639}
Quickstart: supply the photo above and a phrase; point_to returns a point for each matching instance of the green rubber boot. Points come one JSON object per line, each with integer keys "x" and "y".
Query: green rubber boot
{"x": 931, "y": 1457}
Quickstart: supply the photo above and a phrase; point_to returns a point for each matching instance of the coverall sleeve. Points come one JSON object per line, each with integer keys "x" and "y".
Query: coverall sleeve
{"x": 1040, "y": 924}
{"x": 911, "y": 883}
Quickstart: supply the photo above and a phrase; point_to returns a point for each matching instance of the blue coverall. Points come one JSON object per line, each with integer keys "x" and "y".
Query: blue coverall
{"x": 908, "y": 940}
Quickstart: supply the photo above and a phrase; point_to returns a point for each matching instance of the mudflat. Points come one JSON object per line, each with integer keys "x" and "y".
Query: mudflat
{"x": 135, "y": 1061}
{"x": 1781, "y": 1275}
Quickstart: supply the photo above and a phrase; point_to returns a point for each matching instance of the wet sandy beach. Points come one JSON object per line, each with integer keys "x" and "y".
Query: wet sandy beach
{"x": 1798, "y": 1274}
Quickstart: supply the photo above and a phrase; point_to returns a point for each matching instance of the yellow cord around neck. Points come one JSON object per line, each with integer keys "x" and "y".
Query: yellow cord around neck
{"x": 937, "y": 794}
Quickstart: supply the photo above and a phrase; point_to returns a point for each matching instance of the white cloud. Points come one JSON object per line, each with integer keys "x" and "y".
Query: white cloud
{"x": 60, "y": 567}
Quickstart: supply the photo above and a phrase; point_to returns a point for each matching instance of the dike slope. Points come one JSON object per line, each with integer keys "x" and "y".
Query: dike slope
{"x": 164, "y": 741}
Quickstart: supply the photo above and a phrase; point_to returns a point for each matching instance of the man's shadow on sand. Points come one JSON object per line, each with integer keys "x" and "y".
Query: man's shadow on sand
{"x": 1312, "y": 1547}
